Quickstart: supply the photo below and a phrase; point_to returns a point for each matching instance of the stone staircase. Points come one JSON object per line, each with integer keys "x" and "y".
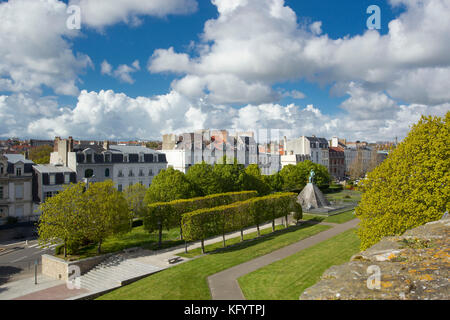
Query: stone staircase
{"x": 113, "y": 272}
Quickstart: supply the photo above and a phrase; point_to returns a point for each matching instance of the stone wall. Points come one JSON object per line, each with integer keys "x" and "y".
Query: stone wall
{"x": 58, "y": 269}
{"x": 414, "y": 266}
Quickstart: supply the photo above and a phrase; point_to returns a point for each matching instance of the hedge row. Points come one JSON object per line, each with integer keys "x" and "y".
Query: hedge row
{"x": 168, "y": 214}
{"x": 205, "y": 223}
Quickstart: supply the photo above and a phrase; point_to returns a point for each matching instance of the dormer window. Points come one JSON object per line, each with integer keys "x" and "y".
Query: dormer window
{"x": 2, "y": 169}
{"x": 141, "y": 158}
{"x": 125, "y": 158}
{"x": 107, "y": 158}
{"x": 89, "y": 158}
{"x": 19, "y": 172}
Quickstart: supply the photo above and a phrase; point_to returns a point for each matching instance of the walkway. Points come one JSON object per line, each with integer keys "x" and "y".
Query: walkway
{"x": 224, "y": 285}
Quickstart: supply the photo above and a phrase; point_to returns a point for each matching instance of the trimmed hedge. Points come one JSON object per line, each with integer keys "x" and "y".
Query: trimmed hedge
{"x": 168, "y": 214}
{"x": 205, "y": 223}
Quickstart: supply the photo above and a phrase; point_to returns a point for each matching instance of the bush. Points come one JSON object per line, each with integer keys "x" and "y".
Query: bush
{"x": 411, "y": 187}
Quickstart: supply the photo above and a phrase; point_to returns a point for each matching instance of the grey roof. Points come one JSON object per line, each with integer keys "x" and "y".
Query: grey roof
{"x": 14, "y": 158}
{"x": 48, "y": 168}
{"x": 132, "y": 150}
{"x": 315, "y": 139}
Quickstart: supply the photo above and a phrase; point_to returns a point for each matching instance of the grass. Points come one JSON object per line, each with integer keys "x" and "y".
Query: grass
{"x": 344, "y": 195}
{"x": 339, "y": 218}
{"x": 188, "y": 281}
{"x": 138, "y": 237}
{"x": 288, "y": 278}
{"x": 219, "y": 245}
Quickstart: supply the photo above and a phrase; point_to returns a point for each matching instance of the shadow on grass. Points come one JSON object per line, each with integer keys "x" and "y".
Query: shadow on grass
{"x": 263, "y": 238}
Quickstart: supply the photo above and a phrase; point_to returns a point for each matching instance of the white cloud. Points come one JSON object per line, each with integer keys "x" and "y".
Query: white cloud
{"x": 34, "y": 50}
{"x": 122, "y": 72}
{"x": 102, "y": 13}
{"x": 275, "y": 48}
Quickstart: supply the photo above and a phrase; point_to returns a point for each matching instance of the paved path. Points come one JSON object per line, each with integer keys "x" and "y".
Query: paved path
{"x": 224, "y": 285}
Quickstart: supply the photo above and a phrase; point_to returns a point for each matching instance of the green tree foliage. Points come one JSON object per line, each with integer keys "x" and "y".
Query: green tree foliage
{"x": 41, "y": 155}
{"x": 169, "y": 214}
{"x": 411, "y": 187}
{"x": 253, "y": 180}
{"x": 295, "y": 177}
{"x": 322, "y": 178}
{"x": 106, "y": 211}
{"x": 62, "y": 217}
{"x": 169, "y": 185}
{"x": 203, "y": 178}
{"x": 135, "y": 195}
{"x": 229, "y": 176}
{"x": 205, "y": 223}
{"x": 274, "y": 181}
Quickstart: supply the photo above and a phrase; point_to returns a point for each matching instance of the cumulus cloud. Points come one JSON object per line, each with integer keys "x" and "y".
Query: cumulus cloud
{"x": 35, "y": 50}
{"x": 102, "y": 13}
{"x": 276, "y": 48}
{"x": 122, "y": 72}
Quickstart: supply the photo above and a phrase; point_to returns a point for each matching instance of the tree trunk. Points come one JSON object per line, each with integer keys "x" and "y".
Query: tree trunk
{"x": 273, "y": 225}
{"x": 185, "y": 247}
{"x": 160, "y": 236}
{"x": 257, "y": 228}
{"x": 242, "y": 235}
{"x": 99, "y": 249}
{"x": 287, "y": 224}
{"x": 203, "y": 246}
{"x": 223, "y": 237}
{"x": 181, "y": 232}
{"x": 65, "y": 250}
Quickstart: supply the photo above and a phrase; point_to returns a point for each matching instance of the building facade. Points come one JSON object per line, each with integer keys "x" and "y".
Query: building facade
{"x": 49, "y": 180}
{"x": 315, "y": 148}
{"x": 337, "y": 163}
{"x": 124, "y": 165}
{"x": 16, "y": 200}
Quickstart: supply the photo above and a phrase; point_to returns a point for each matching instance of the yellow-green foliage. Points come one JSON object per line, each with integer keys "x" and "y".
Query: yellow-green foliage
{"x": 169, "y": 213}
{"x": 204, "y": 223}
{"x": 411, "y": 187}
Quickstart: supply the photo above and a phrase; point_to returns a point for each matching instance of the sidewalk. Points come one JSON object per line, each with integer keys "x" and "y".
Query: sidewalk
{"x": 49, "y": 289}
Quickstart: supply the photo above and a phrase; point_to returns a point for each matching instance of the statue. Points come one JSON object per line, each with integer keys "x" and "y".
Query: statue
{"x": 311, "y": 176}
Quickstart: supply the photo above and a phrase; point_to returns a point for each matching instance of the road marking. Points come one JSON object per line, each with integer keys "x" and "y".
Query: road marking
{"x": 20, "y": 259}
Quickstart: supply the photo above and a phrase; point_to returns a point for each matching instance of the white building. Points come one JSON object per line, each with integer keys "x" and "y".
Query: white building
{"x": 49, "y": 180}
{"x": 124, "y": 165}
{"x": 16, "y": 199}
{"x": 315, "y": 148}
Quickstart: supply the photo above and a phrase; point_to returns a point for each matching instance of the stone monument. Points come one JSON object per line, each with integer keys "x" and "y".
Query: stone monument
{"x": 311, "y": 197}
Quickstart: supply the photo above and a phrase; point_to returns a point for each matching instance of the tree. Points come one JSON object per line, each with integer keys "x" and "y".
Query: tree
{"x": 253, "y": 180}
{"x": 293, "y": 178}
{"x": 135, "y": 195}
{"x": 62, "y": 217}
{"x": 106, "y": 211}
{"x": 274, "y": 181}
{"x": 168, "y": 185}
{"x": 411, "y": 187}
{"x": 203, "y": 179}
{"x": 41, "y": 154}
{"x": 322, "y": 177}
{"x": 229, "y": 176}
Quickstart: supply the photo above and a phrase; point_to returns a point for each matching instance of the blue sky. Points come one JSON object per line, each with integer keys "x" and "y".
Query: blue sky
{"x": 311, "y": 67}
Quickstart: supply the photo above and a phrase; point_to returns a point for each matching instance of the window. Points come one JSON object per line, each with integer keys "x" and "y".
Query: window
{"x": 119, "y": 187}
{"x": 125, "y": 158}
{"x": 141, "y": 158}
{"x": 18, "y": 172}
{"x": 120, "y": 174}
{"x": 52, "y": 179}
{"x": 89, "y": 173}
{"x": 89, "y": 158}
{"x": 48, "y": 195}
{"x": 1, "y": 169}
{"x": 67, "y": 178}
{"x": 107, "y": 158}
{"x": 130, "y": 173}
{"x": 141, "y": 172}
{"x": 106, "y": 172}
{"x": 2, "y": 212}
{"x": 150, "y": 172}
{"x": 19, "y": 211}
{"x": 1, "y": 192}
{"x": 19, "y": 191}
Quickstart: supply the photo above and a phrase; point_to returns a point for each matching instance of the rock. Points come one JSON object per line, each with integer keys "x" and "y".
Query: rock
{"x": 414, "y": 266}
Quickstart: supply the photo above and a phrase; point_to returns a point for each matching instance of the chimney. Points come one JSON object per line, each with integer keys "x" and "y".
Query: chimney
{"x": 70, "y": 147}
{"x": 55, "y": 147}
{"x": 106, "y": 145}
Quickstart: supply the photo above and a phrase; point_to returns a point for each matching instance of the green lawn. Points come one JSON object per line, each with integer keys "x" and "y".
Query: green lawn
{"x": 344, "y": 195}
{"x": 188, "y": 281}
{"x": 219, "y": 245}
{"x": 288, "y": 278}
{"x": 138, "y": 237}
{"x": 339, "y": 218}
